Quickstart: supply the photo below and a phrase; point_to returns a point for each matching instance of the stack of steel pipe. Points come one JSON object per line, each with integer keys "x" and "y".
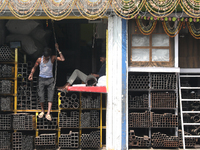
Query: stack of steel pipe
{"x": 23, "y": 121}
{"x": 22, "y": 71}
{"x": 189, "y": 142}
{"x": 44, "y": 124}
{"x": 163, "y": 99}
{"x": 138, "y": 101}
{"x": 138, "y": 82}
{"x": 71, "y": 121}
{"x": 6, "y": 103}
{"x": 5, "y": 121}
{"x": 6, "y": 71}
{"x": 137, "y": 119}
{"x": 89, "y": 102}
{"x": 163, "y": 81}
{"x": 5, "y": 143}
{"x": 91, "y": 140}
{"x": 70, "y": 140}
{"x": 22, "y": 142}
{"x": 162, "y": 140}
{"x": 137, "y": 141}
{"x": 164, "y": 120}
{"x": 69, "y": 100}
{"x": 46, "y": 141}
{"x": 6, "y": 54}
{"x": 5, "y": 87}
{"x": 90, "y": 119}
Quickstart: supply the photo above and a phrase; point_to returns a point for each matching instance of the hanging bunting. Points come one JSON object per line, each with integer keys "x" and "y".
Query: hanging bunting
{"x": 3, "y": 3}
{"x": 58, "y": 9}
{"x": 172, "y": 31}
{"x": 23, "y": 9}
{"x": 191, "y": 7}
{"x": 161, "y": 8}
{"x": 127, "y": 9}
{"x": 193, "y": 30}
{"x": 146, "y": 30}
{"x": 92, "y": 9}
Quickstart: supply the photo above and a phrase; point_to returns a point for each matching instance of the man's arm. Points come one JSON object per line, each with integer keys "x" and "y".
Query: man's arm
{"x": 61, "y": 58}
{"x": 34, "y": 68}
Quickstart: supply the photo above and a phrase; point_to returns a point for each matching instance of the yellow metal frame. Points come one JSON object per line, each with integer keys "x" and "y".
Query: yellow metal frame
{"x": 15, "y": 86}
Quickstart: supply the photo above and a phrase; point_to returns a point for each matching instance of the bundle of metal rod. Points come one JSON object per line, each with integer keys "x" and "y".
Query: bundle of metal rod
{"x": 164, "y": 120}
{"x": 6, "y": 103}
{"x": 5, "y": 121}
{"x": 23, "y": 121}
{"x": 22, "y": 70}
{"x": 163, "y": 99}
{"x": 85, "y": 119}
{"x": 6, "y": 71}
{"x": 71, "y": 121}
{"x": 45, "y": 140}
{"x": 5, "y": 87}
{"x": 89, "y": 102}
{"x": 91, "y": 140}
{"x": 94, "y": 118}
{"x": 163, "y": 81}
{"x": 22, "y": 142}
{"x": 69, "y": 101}
{"x": 138, "y": 101}
{"x": 189, "y": 142}
{"x": 6, "y": 54}
{"x": 162, "y": 140}
{"x": 137, "y": 141}
{"x": 139, "y": 119}
{"x": 43, "y": 123}
{"x": 70, "y": 140}
{"x": 5, "y": 143}
{"x": 138, "y": 82}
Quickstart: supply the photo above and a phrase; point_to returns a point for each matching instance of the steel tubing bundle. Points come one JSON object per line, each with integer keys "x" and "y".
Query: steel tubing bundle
{"x": 43, "y": 123}
{"x": 162, "y": 140}
{"x": 91, "y": 140}
{"x": 70, "y": 140}
{"x": 138, "y": 82}
{"x": 6, "y": 71}
{"x": 164, "y": 120}
{"x": 189, "y": 142}
{"x": 69, "y": 121}
{"x": 45, "y": 140}
{"x": 5, "y": 143}
{"x": 137, "y": 141}
{"x": 90, "y": 119}
{"x": 6, "y": 54}
{"x": 138, "y": 101}
{"x": 163, "y": 81}
{"x": 6, "y": 103}
{"x": 5, "y": 87}
{"x": 5, "y": 121}
{"x": 85, "y": 119}
{"x": 139, "y": 119}
{"x": 163, "y": 99}
{"x": 23, "y": 121}
{"x": 89, "y": 102}
{"x": 69, "y": 101}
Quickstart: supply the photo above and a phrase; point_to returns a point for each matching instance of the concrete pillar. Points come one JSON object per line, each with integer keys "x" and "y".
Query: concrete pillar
{"x": 117, "y": 108}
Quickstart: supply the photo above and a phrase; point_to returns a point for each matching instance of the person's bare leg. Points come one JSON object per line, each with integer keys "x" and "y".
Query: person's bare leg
{"x": 49, "y": 108}
{"x": 42, "y": 107}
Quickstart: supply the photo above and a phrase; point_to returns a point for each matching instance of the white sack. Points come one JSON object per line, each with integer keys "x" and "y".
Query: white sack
{"x": 21, "y": 26}
{"x": 102, "y": 81}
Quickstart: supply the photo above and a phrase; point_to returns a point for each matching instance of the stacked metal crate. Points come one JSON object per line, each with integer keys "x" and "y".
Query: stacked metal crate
{"x": 70, "y": 140}
{"x": 46, "y": 141}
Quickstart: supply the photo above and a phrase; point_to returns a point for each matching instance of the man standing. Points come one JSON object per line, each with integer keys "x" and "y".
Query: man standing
{"x": 46, "y": 78}
{"x": 84, "y": 77}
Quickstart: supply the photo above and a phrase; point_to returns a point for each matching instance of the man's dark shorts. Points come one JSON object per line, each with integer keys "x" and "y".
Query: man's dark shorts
{"x": 49, "y": 83}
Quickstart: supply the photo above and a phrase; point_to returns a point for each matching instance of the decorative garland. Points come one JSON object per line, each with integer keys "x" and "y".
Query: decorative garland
{"x": 92, "y": 10}
{"x": 172, "y": 31}
{"x": 127, "y": 9}
{"x": 161, "y": 8}
{"x": 3, "y": 3}
{"x": 193, "y": 31}
{"x": 191, "y": 7}
{"x": 58, "y": 10}
{"x": 146, "y": 30}
{"x": 23, "y": 9}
